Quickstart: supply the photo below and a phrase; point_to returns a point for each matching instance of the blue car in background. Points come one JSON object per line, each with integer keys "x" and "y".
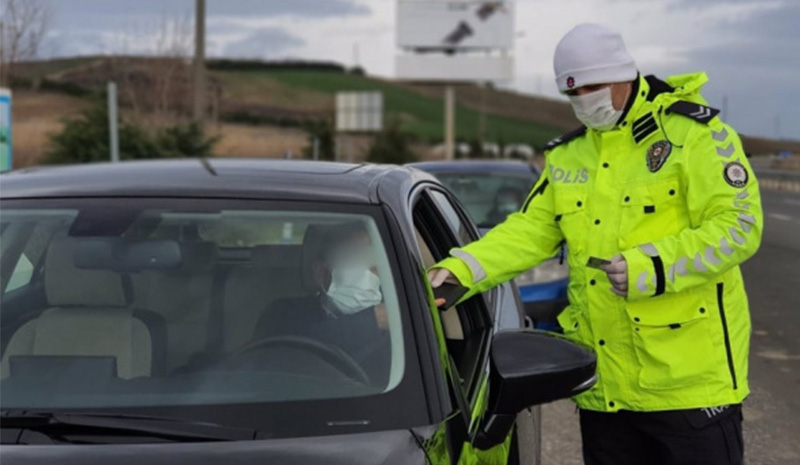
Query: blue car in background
{"x": 490, "y": 190}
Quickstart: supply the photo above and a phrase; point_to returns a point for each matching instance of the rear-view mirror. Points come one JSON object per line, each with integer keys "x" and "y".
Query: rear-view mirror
{"x": 115, "y": 254}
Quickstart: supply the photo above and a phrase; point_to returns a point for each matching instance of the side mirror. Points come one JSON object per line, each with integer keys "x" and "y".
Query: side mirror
{"x": 530, "y": 368}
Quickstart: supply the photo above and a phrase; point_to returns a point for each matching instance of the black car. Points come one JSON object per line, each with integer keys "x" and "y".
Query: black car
{"x": 231, "y": 311}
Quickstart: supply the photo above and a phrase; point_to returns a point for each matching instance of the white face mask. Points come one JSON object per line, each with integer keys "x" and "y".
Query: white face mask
{"x": 354, "y": 288}
{"x": 596, "y": 110}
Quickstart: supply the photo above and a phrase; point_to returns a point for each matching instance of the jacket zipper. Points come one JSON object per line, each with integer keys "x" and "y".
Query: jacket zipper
{"x": 727, "y": 336}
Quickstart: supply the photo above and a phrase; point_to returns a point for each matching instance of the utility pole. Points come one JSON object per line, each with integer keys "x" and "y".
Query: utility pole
{"x": 356, "y": 55}
{"x": 113, "y": 136}
{"x": 449, "y": 122}
{"x": 2, "y": 52}
{"x": 482, "y": 120}
{"x": 199, "y": 61}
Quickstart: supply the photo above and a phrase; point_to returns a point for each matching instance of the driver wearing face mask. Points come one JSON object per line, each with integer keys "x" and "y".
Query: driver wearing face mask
{"x": 344, "y": 306}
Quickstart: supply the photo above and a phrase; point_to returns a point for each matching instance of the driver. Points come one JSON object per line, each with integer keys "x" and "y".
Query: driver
{"x": 344, "y": 305}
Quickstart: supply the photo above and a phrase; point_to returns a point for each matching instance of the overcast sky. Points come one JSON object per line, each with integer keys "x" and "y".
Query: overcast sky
{"x": 749, "y": 48}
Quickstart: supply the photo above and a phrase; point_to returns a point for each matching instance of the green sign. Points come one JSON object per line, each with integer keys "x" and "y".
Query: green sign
{"x": 6, "y": 158}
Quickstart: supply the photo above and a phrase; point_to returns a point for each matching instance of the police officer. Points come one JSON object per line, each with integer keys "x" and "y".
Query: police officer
{"x": 656, "y": 184}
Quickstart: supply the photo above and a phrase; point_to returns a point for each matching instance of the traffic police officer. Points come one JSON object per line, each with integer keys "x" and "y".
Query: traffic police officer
{"x": 656, "y": 182}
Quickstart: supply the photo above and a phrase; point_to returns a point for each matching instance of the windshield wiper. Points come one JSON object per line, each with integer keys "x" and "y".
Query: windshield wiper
{"x": 59, "y": 426}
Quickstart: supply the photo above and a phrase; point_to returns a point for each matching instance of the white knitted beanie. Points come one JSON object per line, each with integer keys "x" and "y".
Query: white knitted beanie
{"x": 592, "y": 54}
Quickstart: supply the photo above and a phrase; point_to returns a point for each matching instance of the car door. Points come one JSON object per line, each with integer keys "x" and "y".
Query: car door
{"x": 441, "y": 225}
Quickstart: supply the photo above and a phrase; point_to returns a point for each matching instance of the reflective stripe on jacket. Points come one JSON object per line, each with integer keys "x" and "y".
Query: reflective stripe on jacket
{"x": 671, "y": 190}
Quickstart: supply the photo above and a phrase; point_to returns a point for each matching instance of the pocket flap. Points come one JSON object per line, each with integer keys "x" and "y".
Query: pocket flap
{"x": 668, "y": 310}
{"x": 651, "y": 194}
{"x": 570, "y": 201}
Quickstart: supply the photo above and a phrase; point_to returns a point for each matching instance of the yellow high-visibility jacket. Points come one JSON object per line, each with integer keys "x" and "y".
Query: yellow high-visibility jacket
{"x": 671, "y": 190}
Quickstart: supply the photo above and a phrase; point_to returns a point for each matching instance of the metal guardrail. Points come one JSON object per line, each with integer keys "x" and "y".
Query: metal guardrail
{"x": 782, "y": 180}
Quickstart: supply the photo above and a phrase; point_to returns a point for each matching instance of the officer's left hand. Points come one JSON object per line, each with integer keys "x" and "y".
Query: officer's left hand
{"x": 617, "y": 272}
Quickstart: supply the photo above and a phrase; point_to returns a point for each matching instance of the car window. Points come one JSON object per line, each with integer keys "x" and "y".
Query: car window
{"x": 250, "y": 232}
{"x": 21, "y": 275}
{"x": 450, "y": 214}
{"x": 467, "y": 326}
{"x": 489, "y": 197}
{"x": 31, "y": 239}
{"x": 198, "y": 303}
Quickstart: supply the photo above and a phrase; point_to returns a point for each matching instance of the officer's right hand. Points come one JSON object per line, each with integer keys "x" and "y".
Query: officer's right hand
{"x": 437, "y": 277}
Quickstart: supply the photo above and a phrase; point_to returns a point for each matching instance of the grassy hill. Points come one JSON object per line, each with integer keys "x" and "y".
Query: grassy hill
{"x": 307, "y": 93}
{"x": 423, "y": 113}
{"x": 271, "y": 96}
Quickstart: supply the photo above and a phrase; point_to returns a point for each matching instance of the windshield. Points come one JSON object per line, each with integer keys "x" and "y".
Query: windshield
{"x": 489, "y": 196}
{"x": 152, "y": 303}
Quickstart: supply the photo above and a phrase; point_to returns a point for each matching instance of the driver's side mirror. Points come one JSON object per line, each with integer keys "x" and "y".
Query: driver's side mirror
{"x": 531, "y": 368}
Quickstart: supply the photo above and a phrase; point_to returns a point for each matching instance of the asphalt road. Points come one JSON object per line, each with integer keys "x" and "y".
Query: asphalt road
{"x": 772, "y": 412}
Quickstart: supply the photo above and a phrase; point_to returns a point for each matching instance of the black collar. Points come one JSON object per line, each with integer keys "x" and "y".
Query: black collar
{"x": 657, "y": 86}
{"x": 631, "y": 99}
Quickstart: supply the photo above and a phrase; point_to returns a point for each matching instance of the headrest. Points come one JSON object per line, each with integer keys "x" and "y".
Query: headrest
{"x": 66, "y": 284}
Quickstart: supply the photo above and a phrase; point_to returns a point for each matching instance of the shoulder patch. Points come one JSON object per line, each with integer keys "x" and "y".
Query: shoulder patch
{"x": 700, "y": 113}
{"x": 565, "y": 138}
{"x": 735, "y": 174}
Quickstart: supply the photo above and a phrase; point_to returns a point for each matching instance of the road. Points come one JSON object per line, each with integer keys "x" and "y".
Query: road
{"x": 772, "y": 412}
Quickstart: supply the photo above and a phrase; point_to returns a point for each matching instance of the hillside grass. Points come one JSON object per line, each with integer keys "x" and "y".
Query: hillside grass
{"x": 422, "y": 115}
{"x": 510, "y": 118}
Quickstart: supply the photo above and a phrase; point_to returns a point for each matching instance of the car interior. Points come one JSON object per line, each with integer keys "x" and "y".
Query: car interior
{"x": 149, "y": 307}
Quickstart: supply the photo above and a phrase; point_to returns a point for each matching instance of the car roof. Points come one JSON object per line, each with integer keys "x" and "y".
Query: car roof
{"x": 475, "y": 166}
{"x": 213, "y": 177}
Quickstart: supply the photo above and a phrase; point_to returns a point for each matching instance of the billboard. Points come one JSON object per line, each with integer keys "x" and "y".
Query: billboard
{"x": 6, "y": 159}
{"x": 454, "y": 68}
{"x": 455, "y": 24}
{"x": 359, "y": 111}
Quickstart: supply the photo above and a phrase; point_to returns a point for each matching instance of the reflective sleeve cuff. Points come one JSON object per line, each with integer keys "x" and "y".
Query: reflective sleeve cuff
{"x": 459, "y": 269}
{"x": 641, "y": 274}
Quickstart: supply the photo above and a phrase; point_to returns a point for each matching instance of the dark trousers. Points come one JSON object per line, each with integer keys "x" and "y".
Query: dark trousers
{"x": 678, "y": 437}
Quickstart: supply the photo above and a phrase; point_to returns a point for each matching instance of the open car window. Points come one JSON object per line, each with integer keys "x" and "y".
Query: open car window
{"x": 467, "y": 326}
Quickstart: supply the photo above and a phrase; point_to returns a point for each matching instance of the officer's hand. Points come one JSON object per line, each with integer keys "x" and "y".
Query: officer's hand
{"x": 617, "y": 272}
{"x": 437, "y": 276}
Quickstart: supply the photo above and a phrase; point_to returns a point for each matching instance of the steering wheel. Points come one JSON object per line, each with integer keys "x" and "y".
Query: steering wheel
{"x": 334, "y": 356}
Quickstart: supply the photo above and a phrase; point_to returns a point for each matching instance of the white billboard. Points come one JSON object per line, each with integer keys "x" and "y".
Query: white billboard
{"x": 455, "y": 24}
{"x": 359, "y": 111}
{"x": 454, "y": 68}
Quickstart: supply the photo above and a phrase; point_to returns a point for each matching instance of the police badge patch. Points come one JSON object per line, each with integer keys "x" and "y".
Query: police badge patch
{"x": 657, "y": 154}
{"x": 735, "y": 174}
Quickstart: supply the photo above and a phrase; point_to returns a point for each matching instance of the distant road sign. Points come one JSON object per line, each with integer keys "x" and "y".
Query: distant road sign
{"x": 455, "y": 24}
{"x": 359, "y": 111}
{"x": 6, "y": 157}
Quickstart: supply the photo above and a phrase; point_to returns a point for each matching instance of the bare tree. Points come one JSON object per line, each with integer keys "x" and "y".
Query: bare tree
{"x": 173, "y": 47}
{"x": 23, "y": 25}
{"x": 154, "y": 78}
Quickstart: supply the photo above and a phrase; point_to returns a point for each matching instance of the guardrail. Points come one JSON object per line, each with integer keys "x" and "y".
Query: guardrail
{"x": 781, "y": 180}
